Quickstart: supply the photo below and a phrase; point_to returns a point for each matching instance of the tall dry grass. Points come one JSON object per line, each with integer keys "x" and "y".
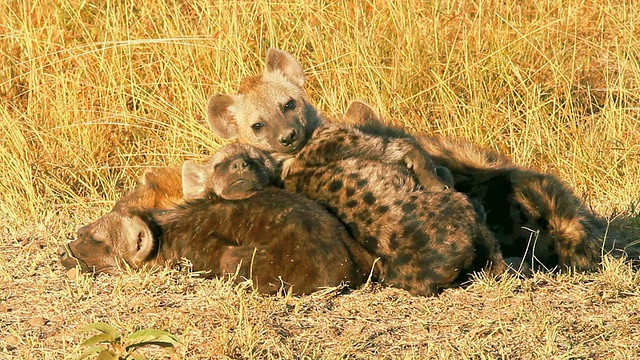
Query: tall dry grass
{"x": 93, "y": 92}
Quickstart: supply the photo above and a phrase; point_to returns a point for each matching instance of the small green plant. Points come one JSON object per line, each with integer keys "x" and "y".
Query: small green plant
{"x": 109, "y": 344}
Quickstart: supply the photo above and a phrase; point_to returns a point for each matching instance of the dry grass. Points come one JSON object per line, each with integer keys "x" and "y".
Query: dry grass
{"x": 92, "y": 93}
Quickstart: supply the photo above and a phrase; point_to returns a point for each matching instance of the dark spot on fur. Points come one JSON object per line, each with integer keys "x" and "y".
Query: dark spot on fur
{"x": 382, "y": 209}
{"x": 403, "y": 258}
{"x": 350, "y": 191}
{"x": 393, "y": 241}
{"x": 419, "y": 239}
{"x": 410, "y": 228}
{"x": 371, "y": 243}
{"x": 408, "y": 207}
{"x": 335, "y": 185}
{"x": 351, "y": 203}
{"x": 353, "y": 176}
{"x": 397, "y": 202}
{"x": 369, "y": 198}
{"x": 362, "y": 183}
{"x": 340, "y": 139}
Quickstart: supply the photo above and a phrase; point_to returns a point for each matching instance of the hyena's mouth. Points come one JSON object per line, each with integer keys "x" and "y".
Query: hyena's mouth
{"x": 241, "y": 189}
{"x": 69, "y": 260}
{"x": 293, "y": 147}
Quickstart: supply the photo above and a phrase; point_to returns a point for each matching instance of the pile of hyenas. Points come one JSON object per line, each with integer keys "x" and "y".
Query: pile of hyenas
{"x": 305, "y": 203}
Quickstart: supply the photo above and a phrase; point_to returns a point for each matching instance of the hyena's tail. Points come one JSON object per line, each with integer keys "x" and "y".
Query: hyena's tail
{"x": 462, "y": 156}
{"x": 575, "y": 233}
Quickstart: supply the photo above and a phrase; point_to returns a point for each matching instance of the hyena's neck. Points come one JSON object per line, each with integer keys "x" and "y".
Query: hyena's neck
{"x": 314, "y": 118}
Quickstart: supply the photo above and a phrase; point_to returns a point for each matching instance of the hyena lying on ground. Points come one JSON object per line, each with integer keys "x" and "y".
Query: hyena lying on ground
{"x": 276, "y": 238}
{"x": 533, "y": 215}
{"x": 426, "y": 239}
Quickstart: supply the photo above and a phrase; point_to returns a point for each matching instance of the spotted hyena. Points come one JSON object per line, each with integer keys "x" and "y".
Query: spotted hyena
{"x": 384, "y": 189}
{"x": 275, "y": 238}
{"x": 533, "y": 215}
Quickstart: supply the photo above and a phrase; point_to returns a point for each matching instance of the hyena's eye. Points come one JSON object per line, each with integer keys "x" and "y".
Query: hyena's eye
{"x": 257, "y": 126}
{"x": 290, "y": 105}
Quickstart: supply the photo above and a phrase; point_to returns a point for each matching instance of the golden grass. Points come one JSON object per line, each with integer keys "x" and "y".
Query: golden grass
{"x": 90, "y": 94}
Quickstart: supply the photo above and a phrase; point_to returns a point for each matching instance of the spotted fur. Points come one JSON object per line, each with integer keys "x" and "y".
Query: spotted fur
{"x": 533, "y": 215}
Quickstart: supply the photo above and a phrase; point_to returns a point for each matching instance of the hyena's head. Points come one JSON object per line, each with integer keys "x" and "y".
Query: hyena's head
{"x": 116, "y": 238}
{"x": 235, "y": 172}
{"x": 125, "y": 235}
{"x": 270, "y": 111}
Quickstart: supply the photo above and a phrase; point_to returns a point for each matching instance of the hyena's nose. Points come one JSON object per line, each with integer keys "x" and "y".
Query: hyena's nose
{"x": 62, "y": 252}
{"x": 239, "y": 165}
{"x": 288, "y": 139}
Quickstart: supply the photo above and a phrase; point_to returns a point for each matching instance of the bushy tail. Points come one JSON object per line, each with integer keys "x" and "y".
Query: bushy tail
{"x": 462, "y": 156}
{"x": 576, "y": 234}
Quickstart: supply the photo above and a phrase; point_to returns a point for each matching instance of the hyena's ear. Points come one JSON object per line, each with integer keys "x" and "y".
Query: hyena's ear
{"x": 360, "y": 112}
{"x": 220, "y": 118}
{"x": 138, "y": 238}
{"x": 285, "y": 63}
{"x": 193, "y": 178}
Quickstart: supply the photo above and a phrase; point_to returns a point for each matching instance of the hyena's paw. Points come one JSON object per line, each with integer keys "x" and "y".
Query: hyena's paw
{"x": 291, "y": 165}
{"x": 425, "y": 171}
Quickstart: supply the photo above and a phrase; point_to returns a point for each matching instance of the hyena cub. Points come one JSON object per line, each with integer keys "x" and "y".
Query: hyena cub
{"x": 533, "y": 215}
{"x": 271, "y": 112}
{"x": 386, "y": 190}
{"x": 126, "y": 235}
{"x": 277, "y": 239}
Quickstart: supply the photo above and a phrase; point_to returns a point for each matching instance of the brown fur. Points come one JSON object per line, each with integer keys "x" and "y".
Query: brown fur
{"x": 276, "y": 238}
{"x": 533, "y": 215}
{"x": 427, "y": 240}
{"x": 159, "y": 188}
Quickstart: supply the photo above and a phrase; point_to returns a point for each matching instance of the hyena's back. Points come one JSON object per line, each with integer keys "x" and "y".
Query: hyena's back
{"x": 426, "y": 240}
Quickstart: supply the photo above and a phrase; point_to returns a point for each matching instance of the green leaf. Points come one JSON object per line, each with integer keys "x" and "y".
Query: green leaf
{"x": 151, "y": 337}
{"x": 91, "y": 351}
{"x": 100, "y": 338}
{"x": 166, "y": 347}
{"x": 106, "y": 355}
{"x": 103, "y": 328}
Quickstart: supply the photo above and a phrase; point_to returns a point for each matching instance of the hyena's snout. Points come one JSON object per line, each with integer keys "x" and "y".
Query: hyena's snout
{"x": 239, "y": 165}
{"x": 288, "y": 137}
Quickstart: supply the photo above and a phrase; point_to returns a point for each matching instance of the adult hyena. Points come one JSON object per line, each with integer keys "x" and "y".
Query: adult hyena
{"x": 533, "y": 215}
{"x": 273, "y": 237}
{"x": 427, "y": 238}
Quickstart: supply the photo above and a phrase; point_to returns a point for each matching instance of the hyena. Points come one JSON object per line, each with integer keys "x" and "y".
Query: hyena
{"x": 386, "y": 190}
{"x": 275, "y": 238}
{"x": 533, "y": 215}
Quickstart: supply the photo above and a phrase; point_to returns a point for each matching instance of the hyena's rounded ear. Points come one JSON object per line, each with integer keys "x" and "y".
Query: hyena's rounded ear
{"x": 193, "y": 179}
{"x": 221, "y": 120}
{"x": 360, "y": 112}
{"x": 139, "y": 240}
{"x": 285, "y": 63}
